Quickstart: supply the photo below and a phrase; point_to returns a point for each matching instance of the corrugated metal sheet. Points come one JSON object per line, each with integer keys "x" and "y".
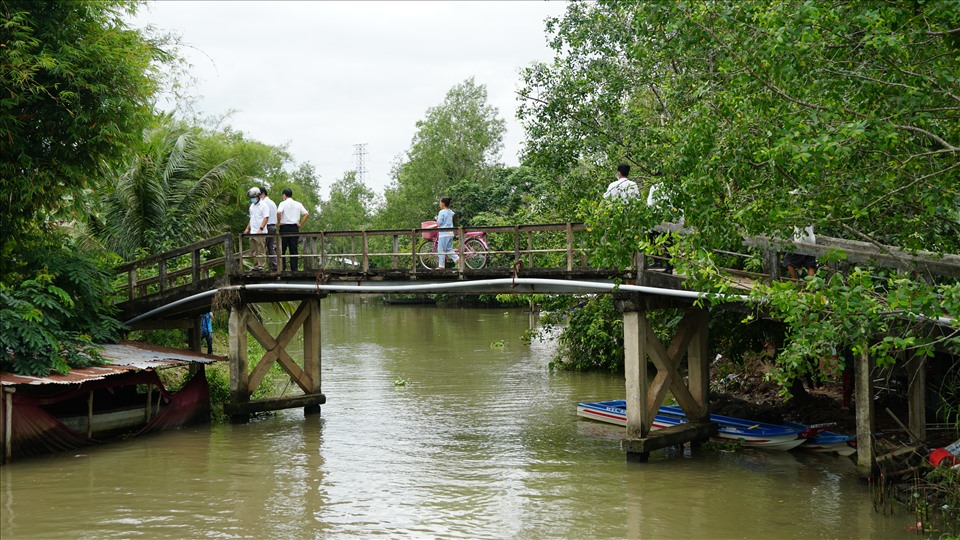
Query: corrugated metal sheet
{"x": 121, "y": 358}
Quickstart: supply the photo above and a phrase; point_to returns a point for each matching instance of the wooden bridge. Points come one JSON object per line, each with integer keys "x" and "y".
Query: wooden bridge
{"x": 172, "y": 289}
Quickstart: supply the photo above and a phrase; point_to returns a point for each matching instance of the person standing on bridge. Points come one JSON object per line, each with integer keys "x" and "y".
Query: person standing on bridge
{"x": 623, "y": 187}
{"x": 445, "y": 238}
{"x": 272, "y": 257}
{"x": 291, "y": 215}
{"x": 257, "y": 228}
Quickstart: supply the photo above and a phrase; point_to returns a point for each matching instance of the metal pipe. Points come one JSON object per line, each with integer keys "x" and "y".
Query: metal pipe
{"x": 586, "y": 287}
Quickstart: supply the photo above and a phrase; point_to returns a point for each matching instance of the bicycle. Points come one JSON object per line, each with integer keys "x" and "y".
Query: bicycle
{"x": 474, "y": 250}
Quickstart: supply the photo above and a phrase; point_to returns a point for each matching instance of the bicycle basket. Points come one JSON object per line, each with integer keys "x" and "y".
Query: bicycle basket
{"x": 429, "y": 235}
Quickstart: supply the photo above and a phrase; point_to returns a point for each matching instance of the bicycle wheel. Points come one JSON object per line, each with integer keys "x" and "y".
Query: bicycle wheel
{"x": 474, "y": 254}
{"x": 427, "y": 253}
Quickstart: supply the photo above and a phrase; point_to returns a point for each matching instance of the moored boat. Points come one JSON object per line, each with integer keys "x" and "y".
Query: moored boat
{"x": 751, "y": 434}
{"x": 828, "y": 441}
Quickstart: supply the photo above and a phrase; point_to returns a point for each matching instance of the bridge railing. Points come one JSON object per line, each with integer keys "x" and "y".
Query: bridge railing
{"x": 558, "y": 246}
{"x": 182, "y": 267}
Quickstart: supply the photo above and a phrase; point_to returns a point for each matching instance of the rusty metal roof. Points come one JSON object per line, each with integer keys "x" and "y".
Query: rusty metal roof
{"x": 121, "y": 358}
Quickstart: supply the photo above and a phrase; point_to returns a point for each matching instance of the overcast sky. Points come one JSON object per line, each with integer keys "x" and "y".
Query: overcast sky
{"x": 325, "y": 76}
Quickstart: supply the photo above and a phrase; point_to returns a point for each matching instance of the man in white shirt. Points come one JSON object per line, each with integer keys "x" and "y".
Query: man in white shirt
{"x": 271, "y": 228}
{"x": 622, "y": 188}
{"x": 257, "y": 227}
{"x": 291, "y": 215}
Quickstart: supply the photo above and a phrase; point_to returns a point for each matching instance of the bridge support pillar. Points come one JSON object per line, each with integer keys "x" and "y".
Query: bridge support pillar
{"x": 866, "y": 457}
{"x": 244, "y": 381}
{"x": 644, "y": 395}
{"x": 917, "y": 397}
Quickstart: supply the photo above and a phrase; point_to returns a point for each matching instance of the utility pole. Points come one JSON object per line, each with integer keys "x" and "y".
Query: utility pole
{"x": 360, "y": 153}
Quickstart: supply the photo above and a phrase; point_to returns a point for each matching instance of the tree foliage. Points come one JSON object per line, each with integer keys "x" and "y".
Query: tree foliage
{"x": 77, "y": 91}
{"x": 459, "y": 141}
{"x": 54, "y": 307}
{"x": 251, "y": 163}
{"x": 351, "y": 206}
{"x": 755, "y": 117}
{"x": 162, "y": 198}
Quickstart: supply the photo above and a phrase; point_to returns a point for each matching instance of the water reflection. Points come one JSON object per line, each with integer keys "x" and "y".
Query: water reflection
{"x": 481, "y": 442}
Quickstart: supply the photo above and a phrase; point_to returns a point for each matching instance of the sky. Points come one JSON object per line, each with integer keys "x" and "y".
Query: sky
{"x": 323, "y": 77}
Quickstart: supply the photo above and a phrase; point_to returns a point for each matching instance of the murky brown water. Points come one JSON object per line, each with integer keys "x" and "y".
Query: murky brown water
{"x": 482, "y": 442}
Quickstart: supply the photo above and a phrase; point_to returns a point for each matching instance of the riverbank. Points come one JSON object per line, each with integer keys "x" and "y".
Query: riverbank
{"x": 906, "y": 476}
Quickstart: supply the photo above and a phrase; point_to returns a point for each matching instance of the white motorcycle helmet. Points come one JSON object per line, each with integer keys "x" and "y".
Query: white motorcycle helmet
{"x": 253, "y": 192}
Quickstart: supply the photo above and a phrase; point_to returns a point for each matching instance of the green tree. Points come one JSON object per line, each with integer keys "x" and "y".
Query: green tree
{"x": 78, "y": 88}
{"x": 252, "y": 163}
{"x": 162, "y": 199}
{"x": 755, "y": 117}
{"x": 351, "y": 206}
{"x": 305, "y": 184}
{"x": 77, "y": 92}
{"x": 459, "y": 141}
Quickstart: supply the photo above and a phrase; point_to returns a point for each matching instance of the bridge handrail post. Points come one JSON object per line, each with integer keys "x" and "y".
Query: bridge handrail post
{"x": 228, "y": 262}
{"x": 530, "y": 248}
{"x": 569, "y": 247}
{"x": 132, "y": 283}
{"x": 323, "y": 251}
{"x": 516, "y": 244}
{"x": 364, "y": 241}
{"x": 162, "y": 275}
{"x": 195, "y": 266}
{"x": 395, "y": 256}
{"x": 413, "y": 250}
{"x": 460, "y": 239}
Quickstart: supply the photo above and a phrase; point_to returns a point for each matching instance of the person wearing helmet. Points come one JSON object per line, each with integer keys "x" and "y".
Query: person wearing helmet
{"x": 257, "y": 229}
{"x": 271, "y": 228}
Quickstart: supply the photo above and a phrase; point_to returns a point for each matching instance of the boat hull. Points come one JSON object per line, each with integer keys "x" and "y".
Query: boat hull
{"x": 750, "y": 434}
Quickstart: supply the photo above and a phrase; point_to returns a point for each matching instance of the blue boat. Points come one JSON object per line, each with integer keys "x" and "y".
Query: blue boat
{"x": 749, "y": 433}
{"x": 828, "y": 441}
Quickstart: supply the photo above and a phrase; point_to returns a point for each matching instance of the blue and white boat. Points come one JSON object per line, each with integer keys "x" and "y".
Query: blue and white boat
{"x": 749, "y": 433}
{"x": 828, "y": 441}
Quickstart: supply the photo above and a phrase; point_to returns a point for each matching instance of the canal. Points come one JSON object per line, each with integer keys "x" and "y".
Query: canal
{"x": 439, "y": 423}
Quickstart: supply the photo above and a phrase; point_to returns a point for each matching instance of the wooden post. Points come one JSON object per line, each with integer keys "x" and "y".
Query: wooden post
{"x": 771, "y": 263}
{"x": 460, "y": 238}
{"x": 698, "y": 366}
{"x": 195, "y": 266}
{"x": 90, "y": 415}
{"x": 162, "y": 276}
{"x": 238, "y": 359}
{"x": 311, "y": 351}
{"x": 516, "y": 244}
{"x": 228, "y": 262}
{"x": 530, "y": 249}
{"x": 147, "y": 410}
{"x": 635, "y": 330}
{"x": 395, "y": 251}
{"x": 569, "y": 247}
{"x": 132, "y": 281}
{"x": 322, "y": 252}
{"x": 8, "y": 424}
{"x": 865, "y": 413}
{"x": 194, "y": 343}
{"x": 364, "y": 244}
{"x": 916, "y": 396}
{"x": 413, "y": 251}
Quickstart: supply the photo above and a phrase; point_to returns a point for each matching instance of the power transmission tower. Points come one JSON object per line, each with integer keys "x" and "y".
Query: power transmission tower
{"x": 360, "y": 153}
